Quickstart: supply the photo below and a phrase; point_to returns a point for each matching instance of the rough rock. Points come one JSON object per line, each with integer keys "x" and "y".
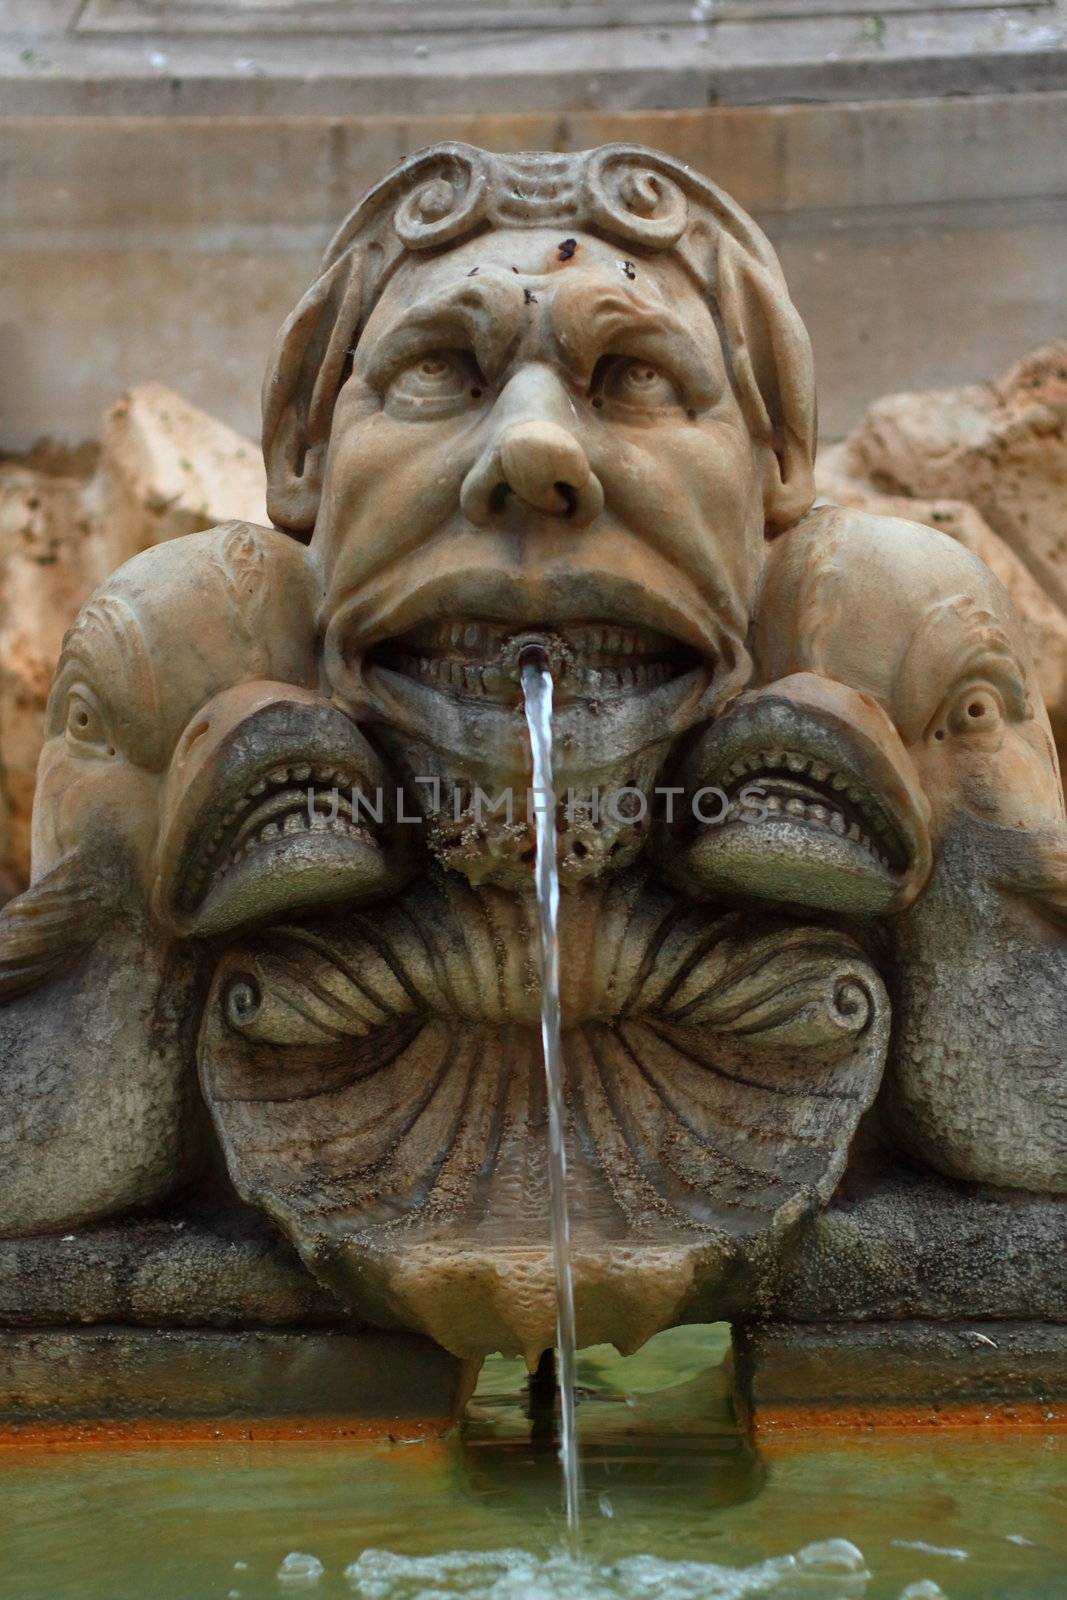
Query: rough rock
{"x": 69, "y": 519}
{"x": 987, "y": 464}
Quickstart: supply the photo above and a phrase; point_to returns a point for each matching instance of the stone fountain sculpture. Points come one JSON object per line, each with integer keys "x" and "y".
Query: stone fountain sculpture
{"x": 278, "y": 957}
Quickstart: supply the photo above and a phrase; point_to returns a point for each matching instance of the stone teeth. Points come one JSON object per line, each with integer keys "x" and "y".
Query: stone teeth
{"x": 795, "y": 808}
{"x": 820, "y": 771}
{"x": 796, "y": 763}
{"x": 837, "y": 822}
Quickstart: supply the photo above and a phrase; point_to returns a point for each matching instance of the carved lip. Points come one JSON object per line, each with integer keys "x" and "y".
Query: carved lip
{"x": 290, "y": 805}
{"x": 478, "y": 659}
{"x": 819, "y": 813}
{"x": 269, "y": 819}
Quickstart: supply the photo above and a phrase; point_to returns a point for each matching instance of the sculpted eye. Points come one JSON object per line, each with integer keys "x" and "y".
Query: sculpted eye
{"x": 435, "y": 384}
{"x": 975, "y": 714}
{"x": 629, "y": 382}
{"x": 86, "y": 725}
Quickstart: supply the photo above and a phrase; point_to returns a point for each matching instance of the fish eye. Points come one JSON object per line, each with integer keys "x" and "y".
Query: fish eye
{"x": 637, "y": 384}
{"x": 86, "y": 724}
{"x": 435, "y": 384}
{"x": 975, "y": 715}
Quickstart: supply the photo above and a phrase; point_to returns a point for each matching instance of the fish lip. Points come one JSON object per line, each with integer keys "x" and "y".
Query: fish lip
{"x": 259, "y": 778}
{"x": 269, "y": 798}
{"x": 868, "y": 794}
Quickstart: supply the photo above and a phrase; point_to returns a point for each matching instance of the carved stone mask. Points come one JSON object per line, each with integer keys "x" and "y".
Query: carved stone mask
{"x": 552, "y": 397}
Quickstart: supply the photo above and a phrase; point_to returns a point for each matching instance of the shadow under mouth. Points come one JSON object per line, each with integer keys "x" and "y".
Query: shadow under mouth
{"x": 479, "y": 660}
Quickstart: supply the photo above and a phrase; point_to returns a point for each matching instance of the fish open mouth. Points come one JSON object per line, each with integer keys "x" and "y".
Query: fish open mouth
{"x": 798, "y": 787}
{"x": 814, "y": 807}
{"x": 590, "y": 661}
{"x": 290, "y": 805}
{"x": 283, "y": 808}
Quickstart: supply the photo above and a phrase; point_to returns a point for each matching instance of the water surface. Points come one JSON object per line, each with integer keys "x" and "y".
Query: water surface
{"x": 667, "y": 1477}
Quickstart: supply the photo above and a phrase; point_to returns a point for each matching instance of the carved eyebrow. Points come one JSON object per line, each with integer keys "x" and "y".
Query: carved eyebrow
{"x": 592, "y": 322}
{"x": 966, "y": 640}
{"x": 483, "y": 313}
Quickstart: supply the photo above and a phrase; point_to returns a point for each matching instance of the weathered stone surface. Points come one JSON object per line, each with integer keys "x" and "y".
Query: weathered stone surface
{"x": 909, "y": 1371}
{"x": 988, "y": 465}
{"x": 904, "y": 1244}
{"x": 167, "y": 468}
{"x": 308, "y": 1378}
{"x": 176, "y": 1272}
{"x": 553, "y": 411}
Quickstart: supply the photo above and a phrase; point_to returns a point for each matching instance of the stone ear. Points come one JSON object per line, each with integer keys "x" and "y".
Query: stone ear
{"x": 308, "y": 365}
{"x": 770, "y": 353}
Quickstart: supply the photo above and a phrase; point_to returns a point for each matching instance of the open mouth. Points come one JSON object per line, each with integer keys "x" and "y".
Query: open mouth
{"x": 481, "y": 660}
{"x": 291, "y": 805}
{"x": 799, "y": 787}
{"x": 813, "y": 809}
{"x": 274, "y": 811}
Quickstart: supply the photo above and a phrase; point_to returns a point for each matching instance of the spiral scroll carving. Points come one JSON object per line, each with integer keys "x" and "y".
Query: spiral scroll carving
{"x": 451, "y": 201}
{"x": 626, "y": 196}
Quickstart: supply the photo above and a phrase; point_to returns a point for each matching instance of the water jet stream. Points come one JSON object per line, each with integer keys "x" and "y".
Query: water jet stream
{"x": 537, "y": 692}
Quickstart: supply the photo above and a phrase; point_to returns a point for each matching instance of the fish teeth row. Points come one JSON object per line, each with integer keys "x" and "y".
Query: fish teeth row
{"x": 793, "y": 761}
{"x": 295, "y": 775}
{"x": 289, "y": 826}
{"x": 812, "y": 811}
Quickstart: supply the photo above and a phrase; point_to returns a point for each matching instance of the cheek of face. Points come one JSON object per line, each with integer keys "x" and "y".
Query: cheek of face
{"x": 691, "y": 487}
{"x": 81, "y": 801}
{"x": 390, "y": 484}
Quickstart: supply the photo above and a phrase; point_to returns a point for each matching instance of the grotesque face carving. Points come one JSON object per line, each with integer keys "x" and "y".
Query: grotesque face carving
{"x": 574, "y": 430}
{"x": 560, "y": 400}
{"x": 535, "y": 443}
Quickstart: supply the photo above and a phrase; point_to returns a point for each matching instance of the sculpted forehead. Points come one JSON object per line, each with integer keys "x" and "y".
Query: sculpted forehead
{"x": 522, "y": 277}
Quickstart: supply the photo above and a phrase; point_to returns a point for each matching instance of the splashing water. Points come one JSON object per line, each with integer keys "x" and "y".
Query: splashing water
{"x": 832, "y": 1570}
{"x": 537, "y": 690}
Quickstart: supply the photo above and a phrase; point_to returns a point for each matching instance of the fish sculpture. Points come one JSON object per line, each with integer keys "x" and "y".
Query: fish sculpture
{"x": 193, "y": 781}
{"x": 898, "y": 772}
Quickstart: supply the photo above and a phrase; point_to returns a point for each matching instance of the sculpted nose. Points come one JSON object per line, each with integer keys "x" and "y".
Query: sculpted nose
{"x": 540, "y": 462}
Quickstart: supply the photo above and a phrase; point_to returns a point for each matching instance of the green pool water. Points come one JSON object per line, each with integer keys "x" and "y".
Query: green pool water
{"x": 677, "y": 1505}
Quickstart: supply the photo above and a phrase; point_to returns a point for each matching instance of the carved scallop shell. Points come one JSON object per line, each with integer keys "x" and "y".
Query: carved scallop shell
{"x": 377, "y": 1086}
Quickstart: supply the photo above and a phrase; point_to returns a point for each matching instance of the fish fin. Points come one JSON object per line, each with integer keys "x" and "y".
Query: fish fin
{"x": 50, "y": 925}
